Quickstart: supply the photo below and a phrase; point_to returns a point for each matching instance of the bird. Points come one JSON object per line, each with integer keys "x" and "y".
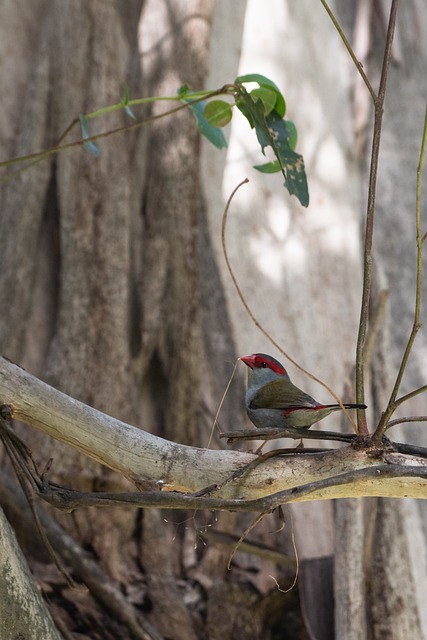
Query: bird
{"x": 273, "y": 401}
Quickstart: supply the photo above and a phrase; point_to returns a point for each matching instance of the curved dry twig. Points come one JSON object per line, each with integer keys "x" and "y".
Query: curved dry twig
{"x": 254, "y": 319}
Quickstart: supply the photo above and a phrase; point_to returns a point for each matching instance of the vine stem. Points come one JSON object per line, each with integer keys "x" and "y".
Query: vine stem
{"x": 370, "y": 218}
{"x": 32, "y": 158}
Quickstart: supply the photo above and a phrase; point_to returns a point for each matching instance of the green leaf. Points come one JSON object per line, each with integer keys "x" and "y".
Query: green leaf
{"x": 293, "y": 134}
{"x": 90, "y": 146}
{"x": 218, "y": 113}
{"x": 125, "y": 99}
{"x": 267, "y": 97}
{"x": 269, "y": 167}
{"x": 129, "y": 111}
{"x": 293, "y": 168}
{"x": 213, "y": 134}
{"x": 125, "y": 102}
{"x": 184, "y": 90}
{"x": 280, "y": 105}
{"x": 275, "y": 132}
{"x": 240, "y": 104}
{"x": 253, "y": 110}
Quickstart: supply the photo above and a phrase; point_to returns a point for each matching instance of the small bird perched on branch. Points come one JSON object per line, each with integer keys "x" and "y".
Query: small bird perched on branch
{"x": 273, "y": 401}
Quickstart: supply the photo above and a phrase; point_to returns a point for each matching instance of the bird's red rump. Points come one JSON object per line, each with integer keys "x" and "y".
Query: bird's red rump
{"x": 289, "y": 410}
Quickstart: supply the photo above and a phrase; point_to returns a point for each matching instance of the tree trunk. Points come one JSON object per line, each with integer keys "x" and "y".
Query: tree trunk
{"x": 107, "y": 264}
{"x": 27, "y": 613}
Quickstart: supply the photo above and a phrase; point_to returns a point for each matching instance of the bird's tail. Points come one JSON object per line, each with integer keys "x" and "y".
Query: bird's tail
{"x": 347, "y": 406}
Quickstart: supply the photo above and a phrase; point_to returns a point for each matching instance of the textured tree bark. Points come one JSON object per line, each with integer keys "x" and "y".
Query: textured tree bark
{"x": 349, "y": 578}
{"x": 173, "y": 216}
{"x": 393, "y": 608}
{"x": 66, "y": 227}
{"x": 185, "y": 332}
{"x": 24, "y": 128}
{"x": 27, "y": 613}
{"x": 107, "y": 297}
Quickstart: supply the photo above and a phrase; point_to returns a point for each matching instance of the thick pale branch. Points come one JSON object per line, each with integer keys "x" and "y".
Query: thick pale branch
{"x": 156, "y": 463}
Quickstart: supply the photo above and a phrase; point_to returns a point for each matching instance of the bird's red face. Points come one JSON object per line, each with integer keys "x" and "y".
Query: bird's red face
{"x": 263, "y": 361}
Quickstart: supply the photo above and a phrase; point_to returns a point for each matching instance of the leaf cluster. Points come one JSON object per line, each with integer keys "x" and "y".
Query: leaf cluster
{"x": 264, "y": 107}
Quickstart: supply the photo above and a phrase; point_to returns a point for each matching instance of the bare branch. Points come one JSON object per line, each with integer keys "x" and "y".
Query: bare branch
{"x": 289, "y": 432}
{"x": 370, "y": 217}
{"x": 393, "y": 403}
{"x": 179, "y": 476}
{"x": 347, "y": 45}
{"x": 393, "y": 423}
{"x": 330, "y": 487}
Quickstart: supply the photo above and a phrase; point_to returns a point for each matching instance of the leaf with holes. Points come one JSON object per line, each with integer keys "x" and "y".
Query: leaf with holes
{"x": 266, "y": 83}
{"x": 272, "y": 130}
{"x": 293, "y": 168}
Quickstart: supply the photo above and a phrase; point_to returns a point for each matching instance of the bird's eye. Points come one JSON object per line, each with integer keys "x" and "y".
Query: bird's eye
{"x": 264, "y": 365}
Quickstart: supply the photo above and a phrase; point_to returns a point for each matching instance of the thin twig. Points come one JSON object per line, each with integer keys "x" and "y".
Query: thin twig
{"x": 393, "y": 423}
{"x": 225, "y": 539}
{"x": 254, "y": 319}
{"x": 18, "y": 456}
{"x": 410, "y": 395}
{"x": 393, "y": 403}
{"x": 349, "y": 48}
{"x": 244, "y": 535}
{"x": 289, "y": 432}
{"x": 32, "y": 158}
{"x": 370, "y": 217}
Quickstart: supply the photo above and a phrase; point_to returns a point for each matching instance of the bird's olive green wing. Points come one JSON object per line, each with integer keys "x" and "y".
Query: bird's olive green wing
{"x": 281, "y": 394}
